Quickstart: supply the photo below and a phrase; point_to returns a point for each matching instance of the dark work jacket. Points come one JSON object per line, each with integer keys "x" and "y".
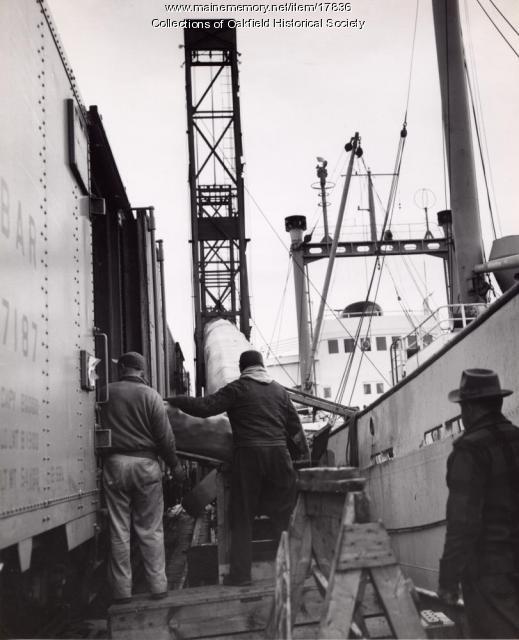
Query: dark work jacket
{"x": 260, "y": 413}
{"x": 136, "y": 415}
{"x": 483, "y": 506}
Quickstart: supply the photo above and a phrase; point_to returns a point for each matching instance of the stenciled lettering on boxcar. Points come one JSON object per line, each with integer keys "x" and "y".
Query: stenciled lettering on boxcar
{"x": 17, "y": 228}
{"x": 29, "y": 404}
{"x": 56, "y": 474}
{"x": 30, "y": 478}
{"x": 18, "y": 331}
{"x": 8, "y": 479}
{"x": 7, "y": 399}
{"x": 24, "y": 478}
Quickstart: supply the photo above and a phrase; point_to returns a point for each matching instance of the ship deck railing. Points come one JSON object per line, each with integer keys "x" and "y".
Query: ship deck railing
{"x": 410, "y": 351}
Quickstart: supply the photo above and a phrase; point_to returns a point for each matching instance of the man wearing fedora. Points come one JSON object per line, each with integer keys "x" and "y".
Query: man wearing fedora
{"x": 263, "y": 421}
{"x": 481, "y": 549}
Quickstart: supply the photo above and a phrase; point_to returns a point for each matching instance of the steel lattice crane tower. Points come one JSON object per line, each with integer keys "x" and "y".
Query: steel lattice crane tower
{"x": 220, "y": 281}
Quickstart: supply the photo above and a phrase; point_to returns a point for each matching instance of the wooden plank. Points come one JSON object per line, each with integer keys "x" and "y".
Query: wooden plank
{"x": 331, "y": 486}
{"x": 301, "y": 632}
{"x": 393, "y": 591}
{"x": 324, "y": 541}
{"x": 358, "y": 627}
{"x": 300, "y": 543}
{"x": 365, "y": 545}
{"x": 324, "y": 504}
{"x": 282, "y": 613}
{"x": 196, "y": 595}
{"x": 339, "y": 605}
{"x": 378, "y": 627}
{"x": 300, "y": 546}
{"x": 348, "y": 514}
{"x": 320, "y": 474}
{"x": 248, "y": 611}
{"x": 320, "y": 580}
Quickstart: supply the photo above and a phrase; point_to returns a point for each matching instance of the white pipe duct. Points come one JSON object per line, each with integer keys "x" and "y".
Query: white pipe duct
{"x": 223, "y": 345}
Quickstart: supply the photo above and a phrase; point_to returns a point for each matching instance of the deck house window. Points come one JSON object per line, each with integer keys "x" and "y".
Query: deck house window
{"x": 365, "y": 344}
{"x": 333, "y": 346}
{"x": 383, "y": 456}
{"x": 367, "y": 388}
{"x": 327, "y": 392}
{"x": 380, "y": 387}
{"x": 427, "y": 339}
{"x": 432, "y": 435}
{"x": 453, "y": 426}
{"x": 381, "y": 343}
{"x": 349, "y": 345}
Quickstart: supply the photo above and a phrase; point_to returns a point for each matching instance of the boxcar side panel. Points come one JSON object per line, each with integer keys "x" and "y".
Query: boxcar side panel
{"x": 47, "y": 462}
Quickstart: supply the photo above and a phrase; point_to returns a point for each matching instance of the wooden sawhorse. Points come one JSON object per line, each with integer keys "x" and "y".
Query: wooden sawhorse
{"x": 351, "y": 559}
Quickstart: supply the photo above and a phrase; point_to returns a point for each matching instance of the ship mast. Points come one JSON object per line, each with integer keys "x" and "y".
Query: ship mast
{"x": 467, "y": 287}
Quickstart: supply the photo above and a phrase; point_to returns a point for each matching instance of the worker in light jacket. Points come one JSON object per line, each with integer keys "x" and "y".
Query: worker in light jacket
{"x": 132, "y": 477}
{"x": 263, "y": 419}
{"x": 482, "y": 540}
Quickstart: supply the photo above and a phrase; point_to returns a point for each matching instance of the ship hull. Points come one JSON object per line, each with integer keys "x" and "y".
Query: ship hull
{"x": 402, "y": 441}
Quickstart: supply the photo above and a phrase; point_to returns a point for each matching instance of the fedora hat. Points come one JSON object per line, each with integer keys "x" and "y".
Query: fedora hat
{"x": 476, "y": 384}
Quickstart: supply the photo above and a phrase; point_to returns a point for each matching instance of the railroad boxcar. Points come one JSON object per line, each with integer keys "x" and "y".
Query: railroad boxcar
{"x": 81, "y": 281}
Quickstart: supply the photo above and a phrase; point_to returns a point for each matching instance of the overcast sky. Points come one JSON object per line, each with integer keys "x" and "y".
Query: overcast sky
{"x": 304, "y": 92}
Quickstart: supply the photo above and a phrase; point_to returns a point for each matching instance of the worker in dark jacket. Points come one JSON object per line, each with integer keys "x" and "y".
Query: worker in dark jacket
{"x": 262, "y": 419}
{"x": 132, "y": 477}
{"x": 482, "y": 541}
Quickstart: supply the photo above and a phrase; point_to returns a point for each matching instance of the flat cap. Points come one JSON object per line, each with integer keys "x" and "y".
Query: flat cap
{"x": 250, "y": 358}
{"x": 132, "y": 360}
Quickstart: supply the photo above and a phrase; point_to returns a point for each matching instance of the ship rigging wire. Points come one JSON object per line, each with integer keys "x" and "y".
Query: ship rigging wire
{"x": 269, "y": 346}
{"x": 308, "y": 279}
{"x": 274, "y": 354}
{"x": 279, "y": 314}
{"x": 379, "y": 261}
{"x": 411, "y": 63}
{"x": 497, "y": 28}
{"x": 481, "y": 156}
{"x": 504, "y": 17}
{"x": 479, "y": 122}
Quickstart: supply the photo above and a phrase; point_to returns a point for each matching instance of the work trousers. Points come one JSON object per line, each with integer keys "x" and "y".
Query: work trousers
{"x": 262, "y": 480}
{"x": 133, "y": 492}
{"x": 492, "y": 606}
